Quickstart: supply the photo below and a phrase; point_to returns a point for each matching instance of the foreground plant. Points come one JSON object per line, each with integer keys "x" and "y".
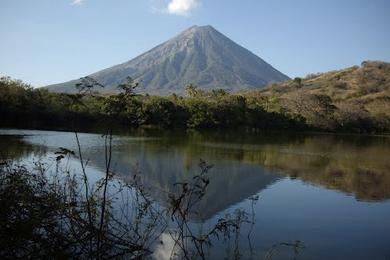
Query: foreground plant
{"x": 52, "y": 214}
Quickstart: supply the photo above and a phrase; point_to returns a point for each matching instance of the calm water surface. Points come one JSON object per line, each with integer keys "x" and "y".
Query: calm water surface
{"x": 329, "y": 191}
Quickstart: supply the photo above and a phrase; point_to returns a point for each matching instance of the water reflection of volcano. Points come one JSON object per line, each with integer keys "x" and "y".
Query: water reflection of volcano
{"x": 243, "y": 164}
{"x": 229, "y": 183}
{"x": 354, "y": 165}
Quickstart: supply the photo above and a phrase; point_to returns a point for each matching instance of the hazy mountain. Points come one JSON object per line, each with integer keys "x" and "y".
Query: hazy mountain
{"x": 200, "y": 55}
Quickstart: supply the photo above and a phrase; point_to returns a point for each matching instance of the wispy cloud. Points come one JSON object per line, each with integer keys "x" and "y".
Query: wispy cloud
{"x": 174, "y": 7}
{"x": 77, "y": 2}
{"x": 182, "y": 7}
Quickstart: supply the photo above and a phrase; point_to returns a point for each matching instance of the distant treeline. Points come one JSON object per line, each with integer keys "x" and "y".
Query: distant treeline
{"x": 23, "y": 106}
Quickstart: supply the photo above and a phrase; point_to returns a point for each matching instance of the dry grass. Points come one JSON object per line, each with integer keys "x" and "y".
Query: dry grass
{"x": 366, "y": 87}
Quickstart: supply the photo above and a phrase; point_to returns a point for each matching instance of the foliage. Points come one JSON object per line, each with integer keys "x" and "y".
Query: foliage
{"x": 63, "y": 215}
{"x": 46, "y": 215}
{"x": 350, "y": 100}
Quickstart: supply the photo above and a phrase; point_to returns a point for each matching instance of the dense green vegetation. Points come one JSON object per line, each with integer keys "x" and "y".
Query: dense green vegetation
{"x": 351, "y": 100}
{"x": 23, "y": 105}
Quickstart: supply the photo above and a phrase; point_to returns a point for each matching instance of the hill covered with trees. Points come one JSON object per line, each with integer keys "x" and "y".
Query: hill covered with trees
{"x": 356, "y": 99}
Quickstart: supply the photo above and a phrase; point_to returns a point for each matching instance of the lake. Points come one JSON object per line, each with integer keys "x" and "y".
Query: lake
{"x": 331, "y": 192}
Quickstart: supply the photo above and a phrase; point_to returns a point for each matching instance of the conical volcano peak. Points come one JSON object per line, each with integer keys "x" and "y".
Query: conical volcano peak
{"x": 207, "y": 28}
{"x": 200, "y": 55}
{"x": 192, "y": 28}
{"x": 195, "y": 29}
{"x": 200, "y": 28}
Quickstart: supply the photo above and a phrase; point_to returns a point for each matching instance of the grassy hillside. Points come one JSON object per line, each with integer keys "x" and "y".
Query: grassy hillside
{"x": 348, "y": 96}
{"x": 369, "y": 82}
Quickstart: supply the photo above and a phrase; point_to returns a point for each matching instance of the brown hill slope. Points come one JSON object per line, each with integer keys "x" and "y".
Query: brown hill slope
{"x": 348, "y": 96}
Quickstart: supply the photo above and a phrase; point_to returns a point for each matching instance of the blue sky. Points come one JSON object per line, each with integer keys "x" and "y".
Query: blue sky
{"x": 51, "y": 41}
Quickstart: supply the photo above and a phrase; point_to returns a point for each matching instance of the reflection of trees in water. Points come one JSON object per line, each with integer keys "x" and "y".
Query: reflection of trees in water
{"x": 15, "y": 148}
{"x": 245, "y": 165}
{"x": 351, "y": 164}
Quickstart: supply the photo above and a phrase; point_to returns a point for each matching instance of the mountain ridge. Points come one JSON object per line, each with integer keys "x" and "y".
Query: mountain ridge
{"x": 200, "y": 55}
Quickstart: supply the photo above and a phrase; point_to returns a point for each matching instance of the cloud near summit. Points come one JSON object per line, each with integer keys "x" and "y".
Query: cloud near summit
{"x": 182, "y": 7}
{"x": 174, "y": 7}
